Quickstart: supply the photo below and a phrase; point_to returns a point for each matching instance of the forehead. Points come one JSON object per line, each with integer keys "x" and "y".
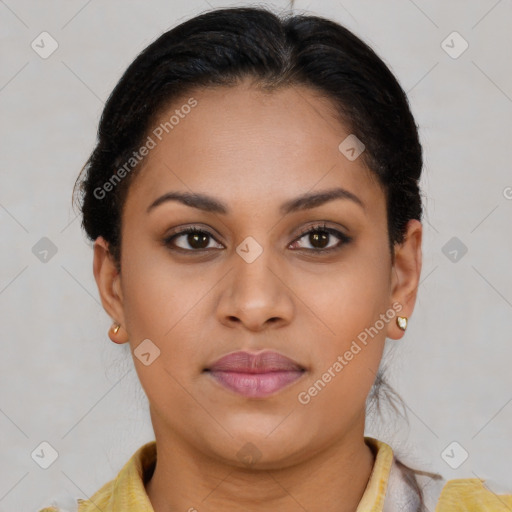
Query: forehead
{"x": 242, "y": 143}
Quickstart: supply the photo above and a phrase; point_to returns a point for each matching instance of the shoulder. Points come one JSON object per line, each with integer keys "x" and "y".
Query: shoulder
{"x": 473, "y": 495}
{"x": 129, "y": 481}
{"x": 441, "y": 495}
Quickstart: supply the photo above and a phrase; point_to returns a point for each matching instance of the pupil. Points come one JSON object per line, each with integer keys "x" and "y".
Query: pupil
{"x": 314, "y": 238}
{"x": 192, "y": 238}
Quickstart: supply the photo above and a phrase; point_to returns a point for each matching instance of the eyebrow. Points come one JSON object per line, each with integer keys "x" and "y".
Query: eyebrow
{"x": 303, "y": 202}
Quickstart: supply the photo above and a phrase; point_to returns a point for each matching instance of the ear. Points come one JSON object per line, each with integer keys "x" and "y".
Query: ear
{"x": 108, "y": 281}
{"x": 405, "y": 274}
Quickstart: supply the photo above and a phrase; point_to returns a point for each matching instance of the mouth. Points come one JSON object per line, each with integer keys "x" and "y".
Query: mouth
{"x": 255, "y": 375}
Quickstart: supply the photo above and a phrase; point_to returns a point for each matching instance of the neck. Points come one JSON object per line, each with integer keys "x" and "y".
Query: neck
{"x": 185, "y": 480}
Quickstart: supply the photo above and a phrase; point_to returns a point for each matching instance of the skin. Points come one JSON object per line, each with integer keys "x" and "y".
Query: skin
{"x": 254, "y": 151}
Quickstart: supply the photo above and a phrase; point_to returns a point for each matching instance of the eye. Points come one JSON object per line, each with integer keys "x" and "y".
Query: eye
{"x": 319, "y": 237}
{"x": 192, "y": 239}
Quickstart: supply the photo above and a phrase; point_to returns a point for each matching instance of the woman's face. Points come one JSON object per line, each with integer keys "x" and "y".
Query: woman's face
{"x": 253, "y": 281}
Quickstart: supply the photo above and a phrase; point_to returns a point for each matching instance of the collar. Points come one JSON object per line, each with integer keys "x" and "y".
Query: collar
{"x": 375, "y": 492}
{"x": 127, "y": 491}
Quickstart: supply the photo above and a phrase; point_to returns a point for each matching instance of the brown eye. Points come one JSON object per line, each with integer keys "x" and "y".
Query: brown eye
{"x": 319, "y": 238}
{"x": 190, "y": 239}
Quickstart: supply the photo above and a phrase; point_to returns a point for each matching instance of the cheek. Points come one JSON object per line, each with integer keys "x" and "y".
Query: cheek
{"x": 165, "y": 305}
{"x": 154, "y": 291}
{"x": 158, "y": 307}
{"x": 347, "y": 358}
{"x": 348, "y": 304}
{"x": 351, "y": 293}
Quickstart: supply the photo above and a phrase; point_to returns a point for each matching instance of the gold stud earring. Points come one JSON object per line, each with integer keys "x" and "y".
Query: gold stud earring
{"x": 401, "y": 321}
{"x": 116, "y": 335}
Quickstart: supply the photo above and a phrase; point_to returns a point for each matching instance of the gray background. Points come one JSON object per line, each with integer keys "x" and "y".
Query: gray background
{"x": 64, "y": 382}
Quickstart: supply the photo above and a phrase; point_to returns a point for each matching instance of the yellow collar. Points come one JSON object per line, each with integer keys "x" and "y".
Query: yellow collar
{"x": 126, "y": 492}
{"x": 375, "y": 492}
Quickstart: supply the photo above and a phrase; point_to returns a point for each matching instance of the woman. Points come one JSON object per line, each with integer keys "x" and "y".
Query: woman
{"x": 254, "y": 202}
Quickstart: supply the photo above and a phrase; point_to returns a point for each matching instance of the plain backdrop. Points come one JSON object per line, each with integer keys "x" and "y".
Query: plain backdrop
{"x": 64, "y": 383}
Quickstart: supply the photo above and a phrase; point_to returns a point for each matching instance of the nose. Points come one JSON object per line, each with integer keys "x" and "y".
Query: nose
{"x": 256, "y": 295}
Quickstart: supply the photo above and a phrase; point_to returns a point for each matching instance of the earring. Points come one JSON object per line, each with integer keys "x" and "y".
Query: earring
{"x": 116, "y": 335}
{"x": 401, "y": 321}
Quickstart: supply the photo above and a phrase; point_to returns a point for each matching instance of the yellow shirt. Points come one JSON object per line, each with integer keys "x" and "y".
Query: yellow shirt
{"x": 386, "y": 490}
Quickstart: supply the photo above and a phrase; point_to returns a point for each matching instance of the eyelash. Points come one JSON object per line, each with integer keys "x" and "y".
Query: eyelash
{"x": 344, "y": 239}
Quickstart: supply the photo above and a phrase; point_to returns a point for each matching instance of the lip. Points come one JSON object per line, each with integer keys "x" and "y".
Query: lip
{"x": 250, "y": 362}
{"x": 255, "y": 375}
